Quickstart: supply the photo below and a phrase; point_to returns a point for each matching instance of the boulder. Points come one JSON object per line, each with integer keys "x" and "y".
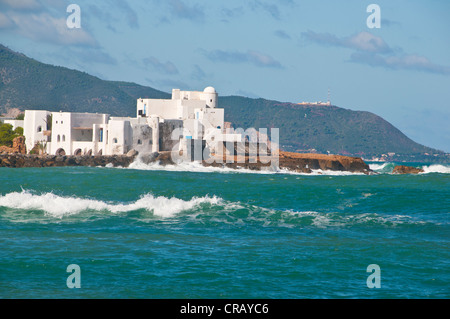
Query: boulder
{"x": 132, "y": 153}
{"x": 402, "y": 169}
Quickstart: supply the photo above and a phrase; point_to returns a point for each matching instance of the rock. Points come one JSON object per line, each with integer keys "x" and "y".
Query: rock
{"x": 149, "y": 158}
{"x": 19, "y": 145}
{"x": 402, "y": 169}
{"x": 132, "y": 153}
{"x": 302, "y": 162}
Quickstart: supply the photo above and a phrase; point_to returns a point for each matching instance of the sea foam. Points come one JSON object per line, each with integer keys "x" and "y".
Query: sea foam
{"x": 436, "y": 168}
{"x": 60, "y": 206}
{"x": 199, "y": 168}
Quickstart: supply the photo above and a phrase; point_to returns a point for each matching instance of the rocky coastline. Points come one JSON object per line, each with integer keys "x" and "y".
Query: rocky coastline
{"x": 303, "y": 163}
{"x": 30, "y": 160}
{"x": 16, "y": 157}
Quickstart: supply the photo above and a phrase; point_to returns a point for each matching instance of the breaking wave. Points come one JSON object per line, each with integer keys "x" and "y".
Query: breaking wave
{"x": 191, "y": 167}
{"x": 199, "y": 168}
{"x": 436, "y": 168}
{"x": 382, "y": 168}
{"x": 60, "y": 206}
{"x": 23, "y": 206}
{"x": 388, "y": 167}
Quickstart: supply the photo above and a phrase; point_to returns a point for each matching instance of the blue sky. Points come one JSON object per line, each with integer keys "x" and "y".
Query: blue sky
{"x": 285, "y": 50}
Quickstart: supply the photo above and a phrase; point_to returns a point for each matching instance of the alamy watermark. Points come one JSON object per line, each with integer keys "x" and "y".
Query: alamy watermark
{"x": 374, "y": 279}
{"x": 227, "y": 146}
{"x": 74, "y": 19}
{"x": 74, "y": 279}
{"x": 374, "y": 19}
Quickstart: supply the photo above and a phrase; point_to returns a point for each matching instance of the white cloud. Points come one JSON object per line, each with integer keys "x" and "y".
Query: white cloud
{"x": 254, "y": 57}
{"x": 374, "y": 51}
{"x": 366, "y": 41}
{"x": 20, "y": 4}
{"x": 5, "y": 22}
{"x": 403, "y": 62}
{"x": 44, "y": 27}
{"x": 161, "y": 67}
{"x": 362, "y": 41}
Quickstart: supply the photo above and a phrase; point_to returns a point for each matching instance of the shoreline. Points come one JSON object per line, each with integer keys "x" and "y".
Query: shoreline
{"x": 296, "y": 162}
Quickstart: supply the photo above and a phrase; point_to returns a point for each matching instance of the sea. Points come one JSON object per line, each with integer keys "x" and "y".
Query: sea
{"x": 191, "y": 232}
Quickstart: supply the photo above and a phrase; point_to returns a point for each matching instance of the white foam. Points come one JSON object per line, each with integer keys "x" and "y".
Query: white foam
{"x": 60, "y": 206}
{"x": 436, "y": 168}
{"x": 199, "y": 168}
{"x": 378, "y": 167}
{"x": 192, "y": 167}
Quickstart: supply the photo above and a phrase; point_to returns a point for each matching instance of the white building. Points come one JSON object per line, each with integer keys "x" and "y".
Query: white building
{"x": 160, "y": 125}
{"x": 12, "y": 121}
{"x": 35, "y": 124}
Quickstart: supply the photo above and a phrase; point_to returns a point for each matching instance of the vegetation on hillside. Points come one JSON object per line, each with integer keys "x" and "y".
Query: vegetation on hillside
{"x": 305, "y": 128}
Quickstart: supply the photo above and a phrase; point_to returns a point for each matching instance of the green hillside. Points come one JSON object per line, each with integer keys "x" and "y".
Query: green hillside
{"x": 320, "y": 127}
{"x": 28, "y": 84}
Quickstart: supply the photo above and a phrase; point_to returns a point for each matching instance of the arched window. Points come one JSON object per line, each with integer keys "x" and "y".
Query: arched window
{"x": 39, "y": 128}
{"x": 64, "y": 138}
{"x": 114, "y": 140}
{"x": 58, "y": 139}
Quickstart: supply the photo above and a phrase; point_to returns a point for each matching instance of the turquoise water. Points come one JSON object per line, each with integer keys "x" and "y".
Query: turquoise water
{"x": 151, "y": 233}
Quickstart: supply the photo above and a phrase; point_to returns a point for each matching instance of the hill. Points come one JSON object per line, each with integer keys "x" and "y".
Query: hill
{"x": 29, "y": 84}
{"x": 322, "y": 128}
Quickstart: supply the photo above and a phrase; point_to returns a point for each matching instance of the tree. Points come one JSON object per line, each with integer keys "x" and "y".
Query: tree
{"x": 7, "y": 134}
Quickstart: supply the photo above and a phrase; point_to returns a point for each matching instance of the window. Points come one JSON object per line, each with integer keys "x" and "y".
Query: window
{"x": 58, "y": 139}
{"x": 139, "y": 142}
{"x": 39, "y": 128}
{"x": 114, "y": 140}
{"x": 64, "y": 138}
{"x": 61, "y": 122}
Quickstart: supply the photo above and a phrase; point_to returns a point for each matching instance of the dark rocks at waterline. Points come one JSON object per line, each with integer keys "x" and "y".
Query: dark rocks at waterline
{"x": 303, "y": 163}
{"x": 27, "y": 160}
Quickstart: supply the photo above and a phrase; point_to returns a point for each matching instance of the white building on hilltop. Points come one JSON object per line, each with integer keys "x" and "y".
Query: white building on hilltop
{"x": 160, "y": 125}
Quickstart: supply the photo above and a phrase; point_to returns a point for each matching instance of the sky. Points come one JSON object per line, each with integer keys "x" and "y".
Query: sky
{"x": 285, "y": 50}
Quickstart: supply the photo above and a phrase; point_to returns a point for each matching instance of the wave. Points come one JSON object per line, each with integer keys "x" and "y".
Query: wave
{"x": 60, "y": 206}
{"x": 388, "y": 167}
{"x": 191, "y": 167}
{"x": 207, "y": 210}
{"x": 379, "y": 167}
{"x": 196, "y": 167}
{"x": 436, "y": 168}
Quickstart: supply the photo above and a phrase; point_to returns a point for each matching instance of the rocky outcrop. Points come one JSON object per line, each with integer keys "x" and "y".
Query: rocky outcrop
{"x": 306, "y": 162}
{"x": 27, "y": 160}
{"x": 296, "y": 162}
{"x": 402, "y": 169}
{"x": 301, "y": 163}
{"x": 17, "y": 147}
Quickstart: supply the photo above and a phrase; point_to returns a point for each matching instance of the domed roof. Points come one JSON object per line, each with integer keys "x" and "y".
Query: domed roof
{"x": 209, "y": 89}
